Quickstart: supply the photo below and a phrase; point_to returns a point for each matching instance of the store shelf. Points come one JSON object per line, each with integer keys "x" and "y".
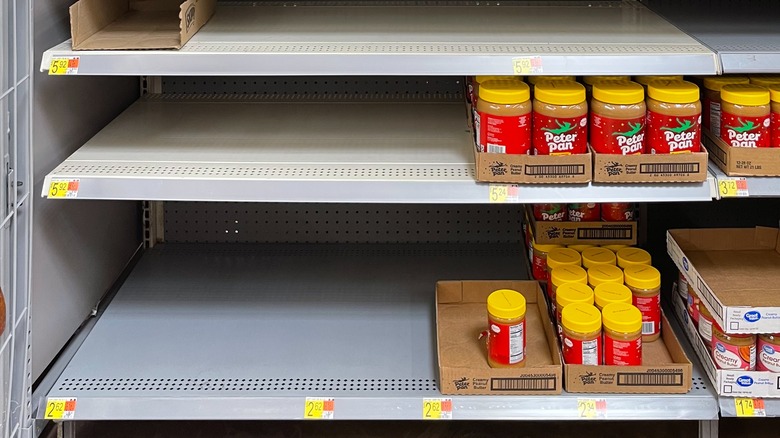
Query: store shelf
{"x": 416, "y": 38}
{"x": 241, "y": 332}
{"x": 251, "y": 149}
{"x": 758, "y": 186}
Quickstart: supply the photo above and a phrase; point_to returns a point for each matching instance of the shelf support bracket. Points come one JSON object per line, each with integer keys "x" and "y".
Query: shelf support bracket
{"x": 708, "y": 428}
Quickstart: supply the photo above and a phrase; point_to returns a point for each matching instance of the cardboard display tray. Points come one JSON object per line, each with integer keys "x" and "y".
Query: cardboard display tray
{"x": 647, "y": 168}
{"x": 137, "y": 24}
{"x": 735, "y": 272}
{"x": 592, "y": 233}
{"x": 727, "y": 382}
{"x": 742, "y": 161}
{"x": 461, "y": 315}
{"x": 665, "y": 369}
{"x": 533, "y": 169}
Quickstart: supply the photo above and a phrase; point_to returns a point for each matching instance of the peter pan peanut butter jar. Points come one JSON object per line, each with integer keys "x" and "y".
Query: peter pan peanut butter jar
{"x": 673, "y": 117}
{"x": 774, "y": 94}
{"x": 503, "y": 121}
{"x": 744, "y": 116}
{"x": 560, "y": 120}
{"x": 617, "y": 118}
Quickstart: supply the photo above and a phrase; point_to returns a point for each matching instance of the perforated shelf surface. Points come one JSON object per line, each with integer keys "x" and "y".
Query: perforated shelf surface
{"x": 239, "y": 332}
{"x": 415, "y": 38}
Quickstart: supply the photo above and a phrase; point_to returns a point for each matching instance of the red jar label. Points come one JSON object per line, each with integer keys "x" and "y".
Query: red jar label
{"x": 706, "y": 117}
{"x": 693, "y": 309}
{"x": 584, "y": 212}
{"x": 651, "y": 313}
{"x": 504, "y": 134}
{"x": 617, "y": 212}
{"x": 560, "y": 135}
{"x": 540, "y": 267}
{"x": 577, "y": 352}
{"x": 775, "y": 127}
{"x": 768, "y": 357}
{"x": 618, "y": 352}
{"x": 673, "y": 134}
{"x": 744, "y": 132}
{"x": 733, "y": 357}
{"x": 550, "y": 212}
{"x": 506, "y": 343}
{"x": 617, "y": 137}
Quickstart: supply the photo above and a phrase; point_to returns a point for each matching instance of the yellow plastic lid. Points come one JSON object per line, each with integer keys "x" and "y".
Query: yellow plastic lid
{"x": 570, "y": 293}
{"x": 562, "y": 257}
{"x": 715, "y": 83}
{"x": 590, "y": 80}
{"x": 533, "y": 80}
{"x": 774, "y": 94}
{"x": 506, "y": 304}
{"x": 568, "y": 274}
{"x": 597, "y": 256}
{"x": 673, "y": 91}
{"x": 607, "y": 293}
{"x": 580, "y": 248}
{"x": 745, "y": 94}
{"x": 642, "y": 277}
{"x": 622, "y": 318}
{"x": 559, "y": 92}
{"x": 545, "y": 247}
{"x": 618, "y": 92}
{"x": 615, "y": 248}
{"x": 604, "y": 274}
{"x": 480, "y": 79}
{"x": 581, "y": 318}
{"x": 644, "y": 80}
{"x": 504, "y": 91}
{"x": 633, "y": 256}
{"x": 765, "y": 80}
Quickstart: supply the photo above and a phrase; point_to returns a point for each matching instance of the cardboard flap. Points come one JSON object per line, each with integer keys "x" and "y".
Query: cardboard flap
{"x": 87, "y": 17}
{"x": 193, "y": 14}
{"x": 726, "y": 239}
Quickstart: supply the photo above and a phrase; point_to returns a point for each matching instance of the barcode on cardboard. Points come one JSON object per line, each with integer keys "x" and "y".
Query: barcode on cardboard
{"x": 612, "y": 233}
{"x": 554, "y": 169}
{"x": 523, "y": 384}
{"x": 650, "y": 379}
{"x": 496, "y": 149}
{"x": 674, "y": 168}
{"x": 648, "y": 328}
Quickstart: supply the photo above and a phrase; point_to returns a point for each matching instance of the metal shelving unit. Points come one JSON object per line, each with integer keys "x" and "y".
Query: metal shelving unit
{"x": 445, "y": 38}
{"x": 209, "y": 331}
{"x": 757, "y": 186}
{"x": 190, "y": 148}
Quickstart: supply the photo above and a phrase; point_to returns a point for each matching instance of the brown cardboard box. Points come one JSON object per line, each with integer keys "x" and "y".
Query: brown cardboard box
{"x": 533, "y": 169}
{"x": 647, "y": 168}
{"x": 742, "y": 161}
{"x": 592, "y": 233}
{"x": 736, "y": 273}
{"x": 137, "y": 24}
{"x": 461, "y": 315}
{"x": 665, "y": 369}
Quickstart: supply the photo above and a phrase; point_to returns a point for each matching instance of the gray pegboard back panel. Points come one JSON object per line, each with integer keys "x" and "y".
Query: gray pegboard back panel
{"x": 193, "y": 222}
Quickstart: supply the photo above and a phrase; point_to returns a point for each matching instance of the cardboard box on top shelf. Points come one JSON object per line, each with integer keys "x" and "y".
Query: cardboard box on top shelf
{"x": 730, "y": 383}
{"x": 742, "y": 161}
{"x": 735, "y": 272}
{"x": 665, "y": 369}
{"x": 571, "y": 233}
{"x": 137, "y": 24}
{"x": 650, "y": 168}
{"x": 461, "y": 315}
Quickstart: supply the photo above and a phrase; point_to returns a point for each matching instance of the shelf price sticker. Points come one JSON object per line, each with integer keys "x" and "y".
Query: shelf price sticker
{"x": 437, "y": 409}
{"x": 531, "y": 65}
{"x": 504, "y": 193}
{"x": 60, "y": 408}
{"x": 61, "y": 189}
{"x": 64, "y": 66}
{"x": 750, "y": 407}
{"x": 733, "y": 188}
{"x": 317, "y": 408}
{"x": 591, "y": 408}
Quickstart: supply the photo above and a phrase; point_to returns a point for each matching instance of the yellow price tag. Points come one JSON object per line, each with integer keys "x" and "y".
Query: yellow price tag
{"x": 437, "y": 409}
{"x": 733, "y": 187}
{"x": 318, "y": 408}
{"x": 591, "y": 408}
{"x": 60, "y": 409}
{"x": 64, "y": 189}
{"x": 750, "y": 407}
{"x": 64, "y": 66}
{"x": 503, "y": 193}
{"x": 531, "y": 65}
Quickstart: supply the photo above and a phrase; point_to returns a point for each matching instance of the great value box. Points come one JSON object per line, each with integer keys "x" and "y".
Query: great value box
{"x": 735, "y": 272}
{"x": 727, "y": 382}
{"x": 738, "y": 161}
{"x": 592, "y": 233}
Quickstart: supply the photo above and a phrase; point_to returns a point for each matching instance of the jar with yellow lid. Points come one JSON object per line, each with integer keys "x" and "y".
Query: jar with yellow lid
{"x": 705, "y": 323}
{"x": 581, "y": 336}
{"x": 774, "y": 125}
{"x": 622, "y": 334}
{"x": 560, "y": 257}
{"x": 644, "y": 80}
{"x": 475, "y": 81}
{"x": 597, "y": 256}
{"x": 615, "y": 248}
{"x": 645, "y": 284}
{"x": 560, "y": 119}
{"x": 608, "y": 293}
{"x": 539, "y": 262}
{"x": 563, "y": 275}
{"x": 732, "y": 351}
{"x": 765, "y": 80}
{"x": 617, "y": 118}
{"x": 711, "y": 99}
{"x": 533, "y": 80}
{"x": 506, "y": 323}
{"x": 633, "y": 256}
{"x": 673, "y": 117}
{"x": 568, "y": 294}
{"x": 599, "y": 274}
{"x": 745, "y": 116}
{"x": 503, "y": 121}
{"x": 589, "y": 81}
{"x": 580, "y": 247}
{"x": 768, "y": 357}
